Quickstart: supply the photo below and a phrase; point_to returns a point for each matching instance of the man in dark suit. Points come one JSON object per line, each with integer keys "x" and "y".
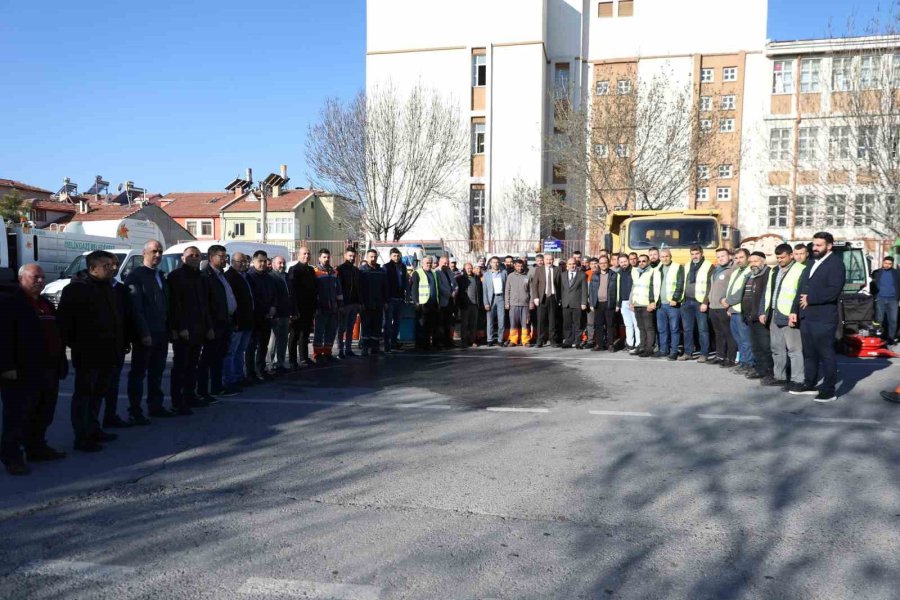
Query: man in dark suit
{"x": 302, "y": 281}
{"x": 242, "y": 323}
{"x": 820, "y": 290}
{"x": 573, "y": 298}
{"x": 264, "y": 300}
{"x": 222, "y": 306}
{"x": 149, "y": 295}
{"x": 190, "y": 326}
{"x": 545, "y": 290}
{"x": 398, "y": 285}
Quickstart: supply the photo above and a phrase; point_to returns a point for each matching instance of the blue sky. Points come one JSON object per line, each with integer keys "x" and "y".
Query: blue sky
{"x": 182, "y": 96}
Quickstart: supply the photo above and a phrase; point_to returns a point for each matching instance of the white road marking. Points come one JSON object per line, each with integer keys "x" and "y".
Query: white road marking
{"x": 309, "y": 590}
{"x": 840, "y": 420}
{"x": 516, "y": 410}
{"x": 619, "y": 413}
{"x": 732, "y": 417}
{"x": 82, "y": 570}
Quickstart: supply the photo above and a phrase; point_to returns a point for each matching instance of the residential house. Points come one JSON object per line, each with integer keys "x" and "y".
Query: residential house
{"x": 24, "y": 190}
{"x": 92, "y": 219}
{"x": 197, "y": 212}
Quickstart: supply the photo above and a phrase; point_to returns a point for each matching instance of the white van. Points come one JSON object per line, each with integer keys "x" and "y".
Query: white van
{"x": 172, "y": 256}
{"x": 127, "y": 256}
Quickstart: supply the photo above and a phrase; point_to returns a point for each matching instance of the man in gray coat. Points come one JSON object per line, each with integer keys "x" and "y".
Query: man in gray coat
{"x": 148, "y": 292}
{"x": 517, "y": 295}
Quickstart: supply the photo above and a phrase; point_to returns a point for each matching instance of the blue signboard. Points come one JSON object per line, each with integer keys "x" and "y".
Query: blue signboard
{"x": 552, "y": 245}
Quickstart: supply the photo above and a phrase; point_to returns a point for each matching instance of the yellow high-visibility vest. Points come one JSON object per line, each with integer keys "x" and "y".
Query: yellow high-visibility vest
{"x": 737, "y": 276}
{"x": 645, "y": 289}
{"x": 424, "y": 288}
{"x": 787, "y": 292}
{"x": 702, "y": 283}
{"x": 671, "y": 282}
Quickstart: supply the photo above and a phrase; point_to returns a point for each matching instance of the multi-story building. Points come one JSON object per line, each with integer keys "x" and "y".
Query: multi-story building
{"x": 825, "y": 153}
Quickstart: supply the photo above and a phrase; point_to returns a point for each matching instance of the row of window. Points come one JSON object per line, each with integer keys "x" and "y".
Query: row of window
{"x": 723, "y": 193}
{"x": 839, "y": 142}
{"x": 725, "y": 125}
{"x": 723, "y": 171}
{"x": 199, "y": 228}
{"x": 708, "y": 74}
{"x": 834, "y": 213}
{"x": 623, "y": 87}
{"x": 602, "y": 150}
{"x": 843, "y": 74}
{"x": 277, "y": 225}
{"x": 728, "y": 102}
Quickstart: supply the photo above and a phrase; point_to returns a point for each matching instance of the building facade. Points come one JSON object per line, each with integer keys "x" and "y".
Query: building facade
{"x": 197, "y": 212}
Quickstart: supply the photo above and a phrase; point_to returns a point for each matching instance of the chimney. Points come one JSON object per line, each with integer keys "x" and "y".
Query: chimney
{"x": 284, "y": 172}
{"x": 83, "y": 207}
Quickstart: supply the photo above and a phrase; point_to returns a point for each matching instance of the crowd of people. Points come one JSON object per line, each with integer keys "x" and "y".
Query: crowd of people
{"x": 238, "y": 321}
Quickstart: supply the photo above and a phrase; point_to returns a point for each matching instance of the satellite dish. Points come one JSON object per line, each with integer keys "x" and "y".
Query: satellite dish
{"x": 120, "y": 187}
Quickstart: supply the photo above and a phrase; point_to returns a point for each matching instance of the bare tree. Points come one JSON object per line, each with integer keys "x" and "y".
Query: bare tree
{"x": 391, "y": 154}
{"x": 633, "y": 148}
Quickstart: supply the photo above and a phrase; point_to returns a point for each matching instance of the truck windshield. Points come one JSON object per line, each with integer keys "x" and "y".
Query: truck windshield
{"x": 80, "y": 264}
{"x": 673, "y": 233}
{"x": 856, "y": 269}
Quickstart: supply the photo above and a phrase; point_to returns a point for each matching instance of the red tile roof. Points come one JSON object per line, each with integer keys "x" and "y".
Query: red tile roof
{"x": 22, "y": 186}
{"x": 195, "y": 204}
{"x": 286, "y": 202}
{"x": 107, "y": 212}
{"x": 53, "y": 205}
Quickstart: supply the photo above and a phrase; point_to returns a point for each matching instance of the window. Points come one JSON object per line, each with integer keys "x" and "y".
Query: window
{"x": 476, "y": 201}
{"x": 726, "y": 125}
{"x": 895, "y": 71}
{"x": 206, "y": 228}
{"x": 479, "y": 70}
{"x": 601, "y": 151}
{"x": 602, "y": 88}
{"x": 622, "y": 150}
{"x": 809, "y": 74}
{"x": 725, "y": 171}
{"x": 130, "y": 265}
{"x": 839, "y": 142}
{"x": 478, "y": 138}
{"x": 623, "y": 87}
{"x": 779, "y": 144}
{"x": 705, "y": 103}
{"x": 868, "y": 72}
{"x": 865, "y": 142}
{"x": 258, "y": 227}
{"x": 605, "y": 10}
{"x": 191, "y": 227}
{"x": 807, "y": 143}
{"x": 841, "y": 73}
{"x": 805, "y": 211}
{"x": 199, "y": 228}
{"x": 729, "y": 74}
{"x": 280, "y": 226}
{"x": 308, "y": 231}
{"x": 626, "y": 8}
{"x": 835, "y": 210}
{"x": 783, "y": 77}
{"x": 702, "y": 171}
{"x": 707, "y": 75}
{"x": 863, "y": 209}
{"x": 705, "y": 125}
{"x": 673, "y": 233}
{"x": 778, "y": 211}
{"x": 703, "y": 194}
{"x": 894, "y": 142}
{"x": 723, "y": 193}
{"x": 561, "y": 80}
{"x": 728, "y": 102}
{"x": 238, "y": 229}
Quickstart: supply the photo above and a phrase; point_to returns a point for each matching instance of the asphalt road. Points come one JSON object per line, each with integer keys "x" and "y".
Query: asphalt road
{"x": 477, "y": 474}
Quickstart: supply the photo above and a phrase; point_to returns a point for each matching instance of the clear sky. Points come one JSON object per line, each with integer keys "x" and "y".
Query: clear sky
{"x": 183, "y": 96}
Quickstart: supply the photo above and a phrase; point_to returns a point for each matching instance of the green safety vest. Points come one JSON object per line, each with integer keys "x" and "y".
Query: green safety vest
{"x": 424, "y": 288}
{"x": 786, "y": 294}
{"x": 741, "y": 274}
{"x": 645, "y": 289}
{"x": 670, "y": 282}
{"x": 702, "y": 284}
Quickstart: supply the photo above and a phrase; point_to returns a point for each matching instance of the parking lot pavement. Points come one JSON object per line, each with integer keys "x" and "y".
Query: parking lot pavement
{"x": 476, "y": 474}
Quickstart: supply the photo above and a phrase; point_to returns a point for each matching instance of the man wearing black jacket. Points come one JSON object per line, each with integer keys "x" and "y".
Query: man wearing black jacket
{"x": 222, "y": 306}
{"x": 111, "y": 418}
{"x": 604, "y": 303}
{"x": 573, "y": 298}
{"x": 348, "y": 274}
{"x": 752, "y": 308}
{"x": 820, "y": 288}
{"x": 190, "y": 326}
{"x": 302, "y": 280}
{"x": 264, "y": 298}
{"x": 90, "y": 325}
{"x": 398, "y": 286}
{"x": 468, "y": 299}
{"x": 242, "y": 322}
{"x": 149, "y": 297}
{"x": 545, "y": 292}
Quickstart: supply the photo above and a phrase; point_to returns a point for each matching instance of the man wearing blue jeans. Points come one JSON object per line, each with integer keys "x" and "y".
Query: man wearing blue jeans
{"x": 732, "y": 301}
{"x": 672, "y": 292}
{"x": 397, "y": 285}
{"x": 886, "y": 291}
{"x": 241, "y": 322}
{"x": 492, "y": 295}
{"x": 696, "y": 305}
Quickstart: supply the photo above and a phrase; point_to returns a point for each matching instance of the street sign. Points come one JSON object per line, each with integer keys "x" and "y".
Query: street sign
{"x": 552, "y": 245}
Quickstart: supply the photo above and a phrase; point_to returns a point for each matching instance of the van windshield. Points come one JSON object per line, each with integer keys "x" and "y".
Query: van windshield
{"x": 170, "y": 262}
{"x": 673, "y": 233}
{"x": 80, "y": 264}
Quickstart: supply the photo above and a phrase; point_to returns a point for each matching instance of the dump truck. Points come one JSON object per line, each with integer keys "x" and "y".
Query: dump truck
{"x": 676, "y": 230}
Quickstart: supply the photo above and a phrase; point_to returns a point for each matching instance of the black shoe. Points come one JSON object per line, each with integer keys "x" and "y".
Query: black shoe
{"x": 805, "y": 390}
{"x": 491, "y": 344}
{"x": 824, "y": 397}
{"x": 540, "y": 344}
{"x": 231, "y": 390}
{"x": 597, "y": 349}
{"x": 16, "y": 467}
{"x": 208, "y": 399}
{"x": 161, "y": 413}
{"x": 184, "y": 411}
{"x": 611, "y": 348}
{"x": 660, "y": 355}
{"x": 138, "y": 420}
{"x": 87, "y": 446}
{"x": 309, "y": 362}
{"x": 44, "y": 453}
{"x": 198, "y": 402}
{"x": 753, "y": 375}
{"x": 771, "y": 381}
{"x": 115, "y": 422}
{"x": 891, "y": 396}
{"x": 103, "y": 436}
